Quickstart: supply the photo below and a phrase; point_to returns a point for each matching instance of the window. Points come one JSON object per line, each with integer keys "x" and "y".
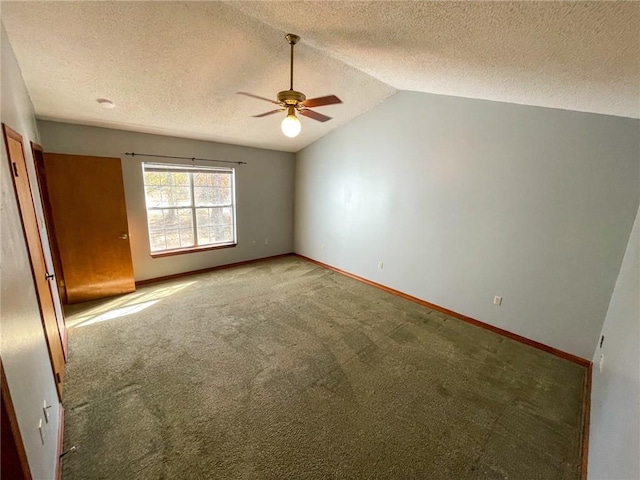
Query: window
{"x": 189, "y": 208}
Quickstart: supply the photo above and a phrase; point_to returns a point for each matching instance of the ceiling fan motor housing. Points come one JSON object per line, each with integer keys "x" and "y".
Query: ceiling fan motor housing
{"x": 291, "y": 97}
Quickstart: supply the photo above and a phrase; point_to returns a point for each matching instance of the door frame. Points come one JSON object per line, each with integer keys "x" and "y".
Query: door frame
{"x": 37, "y": 261}
{"x": 41, "y": 176}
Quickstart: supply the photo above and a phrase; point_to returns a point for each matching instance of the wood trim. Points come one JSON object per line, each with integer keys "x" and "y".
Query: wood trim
{"x": 209, "y": 269}
{"x": 182, "y": 251}
{"x": 35, "y": 250}
{"x": 10, "y": 132}
{"x": 60, "y": 443}
{"x": 505, "y": 333}
{"x": 15, "y": 440}
{"x": 586, "y": 412}
{"x": 586, "y": 420}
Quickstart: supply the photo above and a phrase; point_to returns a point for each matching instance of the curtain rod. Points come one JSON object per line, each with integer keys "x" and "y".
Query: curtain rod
{"x": 133, "y": 154}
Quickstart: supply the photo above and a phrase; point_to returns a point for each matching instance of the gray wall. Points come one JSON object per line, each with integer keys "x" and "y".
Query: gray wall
{"x": 615, "y": 422}
{"x": 466, "y": 199}
{"x": 22, "y": 343}
{"x": 264, "y": 192}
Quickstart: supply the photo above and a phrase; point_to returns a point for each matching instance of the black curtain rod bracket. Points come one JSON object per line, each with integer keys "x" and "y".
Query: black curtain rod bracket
{"x": 193, "y": 159}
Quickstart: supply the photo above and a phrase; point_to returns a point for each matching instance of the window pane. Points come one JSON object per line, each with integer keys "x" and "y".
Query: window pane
{"x": 158, "y": 241}
{"x": 174, "y": 218}
{"x": 186, "y": 238}
{"x": 174, "y": 196}
{"x": 185, "y": 219}
{"x": 226, "y": 214}
{"x": 203, "y": 196}
{"x": 217, "y": 218}
{"x": 222, "y": 233}
{"x": 203, "y": 179}
{"x": 155, "y": 178}
{"x": 222, "y": 196}
{"x": 202, "y": 217}
{"x": 170, "y": 201}
{"x": 167, "y": 196}
{"x": 164, "y": 223}
{"x": 155, "y": 218}
{"x": 214, "y": 216}
{"x": 179, "y": 179}
{"x": 173, "y": 239}
{"x": 203, "y": 236}
{"x": 213, "y": 179}
{"x": 212, "y": 196}
{"x": 153, "y": 196}
{"x": 170, "y": 219}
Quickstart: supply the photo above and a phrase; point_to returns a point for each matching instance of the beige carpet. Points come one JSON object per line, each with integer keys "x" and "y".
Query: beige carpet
{"x": 282, "y": 369}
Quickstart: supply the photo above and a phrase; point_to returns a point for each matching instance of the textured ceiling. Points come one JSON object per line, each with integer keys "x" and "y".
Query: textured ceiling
{"x": 582, "y": 56}
{"x": 174, "y": 67}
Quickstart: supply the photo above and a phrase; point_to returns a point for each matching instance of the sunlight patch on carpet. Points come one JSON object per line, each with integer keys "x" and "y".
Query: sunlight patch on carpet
{"x": 123, "y": 306}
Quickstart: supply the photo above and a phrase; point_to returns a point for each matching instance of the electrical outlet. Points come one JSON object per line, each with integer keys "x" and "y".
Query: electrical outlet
{"x": 266, "y": 241}
{"x": 497, "y": 300}
{"x": 601, "y": 363}
{"x": 253, "y": 243}
{"x": 380, "y": 265}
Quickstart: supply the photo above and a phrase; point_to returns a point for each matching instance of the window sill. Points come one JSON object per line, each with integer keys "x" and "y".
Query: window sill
{"x": 169, "y": 253}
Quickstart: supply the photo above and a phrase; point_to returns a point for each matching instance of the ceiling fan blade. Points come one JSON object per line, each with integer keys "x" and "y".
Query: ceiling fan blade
{"x": 258, "y": 97}
{"x": 321, "y": 101}
{"x": 315, "y": 115}
{"x": 269, "y": 113}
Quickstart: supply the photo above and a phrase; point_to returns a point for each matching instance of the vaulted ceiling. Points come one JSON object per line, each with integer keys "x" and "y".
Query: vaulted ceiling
{"x": 175, "y": 67}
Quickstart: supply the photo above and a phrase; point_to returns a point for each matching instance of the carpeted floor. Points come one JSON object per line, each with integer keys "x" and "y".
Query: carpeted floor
{"x": 284, "y": 370}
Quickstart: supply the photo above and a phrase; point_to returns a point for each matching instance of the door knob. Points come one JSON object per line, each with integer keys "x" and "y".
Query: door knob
{"x": 124, "y": 236}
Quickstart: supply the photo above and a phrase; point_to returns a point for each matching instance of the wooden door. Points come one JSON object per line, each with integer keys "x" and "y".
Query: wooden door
{"x": 86, "y": 195}
{"x": 44, "y": 281}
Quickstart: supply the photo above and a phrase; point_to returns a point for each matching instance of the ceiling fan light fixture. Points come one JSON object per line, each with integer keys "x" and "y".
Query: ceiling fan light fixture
{"x": 291, "y": 125}
{"x": 292, "y": 100}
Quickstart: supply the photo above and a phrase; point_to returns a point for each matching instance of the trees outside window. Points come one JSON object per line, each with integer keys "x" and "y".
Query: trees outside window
{"x": 189, "y": 208}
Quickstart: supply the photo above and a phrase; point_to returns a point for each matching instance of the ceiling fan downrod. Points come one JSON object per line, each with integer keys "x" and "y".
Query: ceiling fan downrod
{"x": 292, "y": 39}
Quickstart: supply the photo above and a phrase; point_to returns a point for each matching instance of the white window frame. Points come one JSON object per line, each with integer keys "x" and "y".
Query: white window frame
{"x": 190, "y": 169}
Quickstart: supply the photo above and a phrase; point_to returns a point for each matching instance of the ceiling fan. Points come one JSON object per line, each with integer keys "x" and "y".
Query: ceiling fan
{"x": 292, "y": 101}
